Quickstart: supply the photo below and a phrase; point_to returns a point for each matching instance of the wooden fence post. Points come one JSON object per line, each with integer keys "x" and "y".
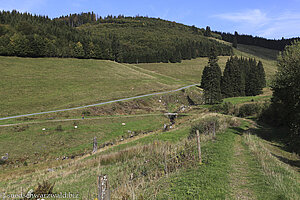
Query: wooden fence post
{"x": 103, "y": 188}
{"x": 165, "y": 163}
{"x": 199, "y": 146}
{"x": 214, "y": 129}
{"x": 95, "y": 146}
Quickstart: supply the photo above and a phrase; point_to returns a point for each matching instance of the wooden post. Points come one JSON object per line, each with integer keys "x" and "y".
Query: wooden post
{"x": 95, "y": 146}
{"x": 214, "y": 129}
{"x": 103, "y": 188}
{"x": 165, "y": 162}
{"x": 199, "y": 146}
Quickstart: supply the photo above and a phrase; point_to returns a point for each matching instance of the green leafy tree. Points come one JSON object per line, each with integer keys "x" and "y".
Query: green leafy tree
{"x": 78, "y": 50}
{"x": 286, "y": 90}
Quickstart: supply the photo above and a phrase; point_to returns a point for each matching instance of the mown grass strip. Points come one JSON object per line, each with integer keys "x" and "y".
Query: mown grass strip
{"x": 210, "y": 180}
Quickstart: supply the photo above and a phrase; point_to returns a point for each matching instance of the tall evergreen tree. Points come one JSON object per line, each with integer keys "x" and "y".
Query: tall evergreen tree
{"x": 253, "y": 87}
{"x": 234, "y": 43}
{"x": 207, "y": 32}
{"x": 261, "y": 74}
{"x": 211, "y": 80}
{"x": 233, "y": 83}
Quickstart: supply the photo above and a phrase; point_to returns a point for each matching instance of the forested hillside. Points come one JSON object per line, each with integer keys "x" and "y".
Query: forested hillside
{"x": 123, "y": 39}
{"x": 256, "y": 41}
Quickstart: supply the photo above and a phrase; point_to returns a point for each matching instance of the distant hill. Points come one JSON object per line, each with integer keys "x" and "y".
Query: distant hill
{"x": 257, "y": 41}
{"x": 123, "y": 39}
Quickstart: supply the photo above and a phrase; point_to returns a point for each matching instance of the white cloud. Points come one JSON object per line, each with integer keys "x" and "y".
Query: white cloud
{"x": 253, "y": 17}
{"x": 256, "y": 22}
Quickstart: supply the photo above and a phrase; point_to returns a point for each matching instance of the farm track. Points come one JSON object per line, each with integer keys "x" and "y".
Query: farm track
{"x": 86, "y": 119}
{"x": 98, "y": 104}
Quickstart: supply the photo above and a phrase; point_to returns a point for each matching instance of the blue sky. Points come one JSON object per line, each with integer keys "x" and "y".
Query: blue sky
{"x": 265, "y": 18}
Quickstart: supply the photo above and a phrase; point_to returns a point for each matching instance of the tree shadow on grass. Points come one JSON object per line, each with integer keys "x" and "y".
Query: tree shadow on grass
{"x": 238, "y": 130}
{"x": 277, "y": 136}
{"x": 293, "y": 163}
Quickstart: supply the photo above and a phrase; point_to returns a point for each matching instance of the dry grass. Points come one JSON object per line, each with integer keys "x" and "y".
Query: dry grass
{"x": 279, "y": 176}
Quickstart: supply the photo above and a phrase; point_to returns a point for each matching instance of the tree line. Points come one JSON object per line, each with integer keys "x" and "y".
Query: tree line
{"x": 241, "y": 77}
{"x": 256, "y": 41}
{"x": 86, "y": 35}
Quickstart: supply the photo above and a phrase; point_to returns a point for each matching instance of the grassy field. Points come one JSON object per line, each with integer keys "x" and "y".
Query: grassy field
{"x": 264, "y": 53}
{"x": 31, "y": 143}
{"x": 188, "y": 70}
{"x": 40, "y": 84}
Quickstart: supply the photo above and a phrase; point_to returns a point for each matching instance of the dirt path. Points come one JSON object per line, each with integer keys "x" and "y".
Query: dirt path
{"x": 239, "y": 182}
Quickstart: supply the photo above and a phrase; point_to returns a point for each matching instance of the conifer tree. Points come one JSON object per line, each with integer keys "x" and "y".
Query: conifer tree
{"x": 234, "y": 43}
{"x": 232, "y": 83}
{"x": 207, "y": 32}
{"x": 261, "y": 74}
{"x": 253, "y": 87}
{"x": 211, "y": 80}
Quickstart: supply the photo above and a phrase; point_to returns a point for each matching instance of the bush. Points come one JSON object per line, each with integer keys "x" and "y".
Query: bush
{"x": 59, "y": 128}
{"x": 249, "y": 110}
{"x": 204, "y": 126}
{"x": 2, "y": 162}
{"x": 43, "y": 188}
{"x": 226, "y": 108}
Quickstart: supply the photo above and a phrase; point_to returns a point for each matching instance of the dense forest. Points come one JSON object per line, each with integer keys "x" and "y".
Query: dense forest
{"x": 119, "y": 38}
{"x": 256, "y": 41}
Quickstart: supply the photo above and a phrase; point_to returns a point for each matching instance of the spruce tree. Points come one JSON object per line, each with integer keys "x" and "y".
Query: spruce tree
{"x": 234, "y": 43}
{"x": 261, "y": 74}
{"x": 211, "y": 80}
{"x": 253, "y": 81}
{"x": 207, "y": 32}
{"x": 232, "y": 84}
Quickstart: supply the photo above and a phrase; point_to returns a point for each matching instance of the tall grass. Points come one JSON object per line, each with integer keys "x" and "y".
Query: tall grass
{"x": 280, "y": 179}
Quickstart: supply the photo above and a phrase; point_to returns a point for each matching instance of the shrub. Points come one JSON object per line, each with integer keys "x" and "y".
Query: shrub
{"x": 2, "y": 162}
{"x": 86, "y": 113}
{"x": 59, "y": 128}
{"x": 226, "y": 108}
{"x": 43, "y": 188}
{"x": 204, "y": 126}
{"x": 249, "y": 110}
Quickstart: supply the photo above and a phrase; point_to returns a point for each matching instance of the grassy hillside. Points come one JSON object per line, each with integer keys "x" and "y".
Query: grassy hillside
{"x": 41, "y": 84}
{"x": 52, "y": 83}
{"x": 188, "y": 70}
{"x": 264, "y": 53}
{"x": 191, "y": 70}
